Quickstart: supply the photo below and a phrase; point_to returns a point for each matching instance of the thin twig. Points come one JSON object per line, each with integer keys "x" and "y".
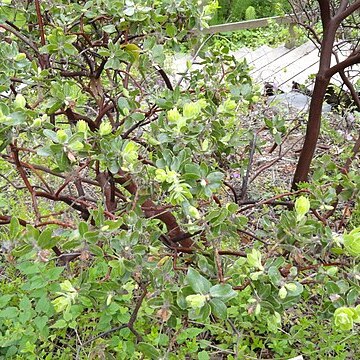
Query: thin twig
{"x": 193, "y": 58}
{"x": 245, "y": 181}
{"x": 129, "y": 325}
{"x": 263, "y": 202}
{"x": 218, "y": 266}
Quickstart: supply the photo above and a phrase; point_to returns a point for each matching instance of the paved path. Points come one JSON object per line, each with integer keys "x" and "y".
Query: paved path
{"x": 279, "y": 66}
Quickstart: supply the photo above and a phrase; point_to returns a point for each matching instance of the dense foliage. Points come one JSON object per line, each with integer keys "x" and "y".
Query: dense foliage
{"x": 130, "y": 225}
{"x": 237, "y": 10}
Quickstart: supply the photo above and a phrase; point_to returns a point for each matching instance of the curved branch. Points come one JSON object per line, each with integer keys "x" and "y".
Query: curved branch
{"x": 352, "y": 59}
{"x": 339, "y": 17}
{"x": 22, "y": 38}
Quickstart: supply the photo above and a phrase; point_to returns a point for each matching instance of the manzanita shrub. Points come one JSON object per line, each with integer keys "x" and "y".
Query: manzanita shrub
{"x": 121, "y": 235}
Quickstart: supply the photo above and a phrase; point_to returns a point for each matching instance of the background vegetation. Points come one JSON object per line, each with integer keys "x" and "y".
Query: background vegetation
{"x": 237, "y": 10}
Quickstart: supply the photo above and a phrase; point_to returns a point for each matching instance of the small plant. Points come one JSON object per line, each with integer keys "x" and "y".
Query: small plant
{"x": 250, "y": 13}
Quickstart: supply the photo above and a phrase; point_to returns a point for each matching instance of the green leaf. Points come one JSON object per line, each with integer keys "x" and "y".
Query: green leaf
{"x": 83, "y": 228}
{"x": 29, "y": 268}
{"x": 41, "y": 323}
{"x": 332, "y": 288}
{"x": 274, "y": 275}
{"x": 282, "y": 293}
{"x": 197, "y": 282}
{"x": 194, "y": 212}
{"x": 352, "y": 242}
{"x": 196, "y": 301}
{"x": 222, "y": 291}
{"x": 294, "y": 288}
{"x": 215, "y": 177}
{"x": 133, "y": 50}
{"x": 69, "y": 49}
{"x": 344, "y": 318}
{"x": 20, "y": 101}
{"x": 181, "y": 297}
{"x": 201, "y": 314}
{"x": 9, "y": 313}
{"x": 189, "y": 333}
{"x": 123, "y": 105}
{"x": 4, "y": 299}
{"x": 22, "y": 250}
{"x": 109, "y": 28}
{"x": 54, "y": 273}
{"x": 254, "y": 259}
{"x": 51, "y": 135}
{"x": 45, "y": 239}
{"x": 193, "y": 169}
{"x": 203, "y": 355}
{"x": 158, "y": 54}
{"x": 173, "y": 115}
{"x": 171, "y": 29}
{"x": 148, "y": 350}
{"x": 218, "y": 308}
{"x": 76, "y": 145}
{"x": 14, "y": 228}
{"x": 25, "y": 304}
{"x": 61, "y": 136}
{"x": 60, "y": 324}
{"x": 302, "y": 207}
{"x": 191, "y": 110}
{"x": 105, "y": 128}
{"x": 352, "y": 296}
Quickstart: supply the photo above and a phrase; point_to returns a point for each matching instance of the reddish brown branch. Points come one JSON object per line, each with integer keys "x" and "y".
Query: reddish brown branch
{"x": 6, "y": 219}
{"x": 156, "y": 211}
{"x": 40, "y": 22}
{"x": 74, "y": 117}
{"x": 243, "y": 286}
{"x": 108, "y": 187}
{"x": 25, "y": 179}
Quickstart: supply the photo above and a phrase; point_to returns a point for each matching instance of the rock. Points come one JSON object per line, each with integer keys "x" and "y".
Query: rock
{"x": 295, "y": 100}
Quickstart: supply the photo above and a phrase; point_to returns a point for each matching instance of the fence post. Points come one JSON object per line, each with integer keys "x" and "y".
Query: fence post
{"x": 290, "y": 43}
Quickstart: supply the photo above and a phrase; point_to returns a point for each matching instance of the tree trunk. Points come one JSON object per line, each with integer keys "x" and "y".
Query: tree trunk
{"x": 312, "y": 131}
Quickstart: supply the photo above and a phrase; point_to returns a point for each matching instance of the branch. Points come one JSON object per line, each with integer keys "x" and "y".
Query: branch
{"x": 165, "y": 78}
{"x": 325, "y": 12}
{"x": 74, "y": 117}
{"x": 273, "y": 198}
{"x": 108, "y": 188}
{"x": 151, "y": 210}
{"x": 129, "y": 325}
{"x": 6, "y": 219}
{"x": 340, "y": 16}
{"x": 352, "y": 59}
{"x": 76, "y": 204}
{"x": 26, "y": 181}
{"x": 103, "y": 112}
{"x": 232, "y": 190}
{"x": 245, "y": 181}
{"x": 351, "y": 88}
{"x": 46, "y": 170}
{"x": 22, "y": 38}
{"x": 342, "y": 7}
{"x": 243, "y": 286}
{"x": 40, "y": 21}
